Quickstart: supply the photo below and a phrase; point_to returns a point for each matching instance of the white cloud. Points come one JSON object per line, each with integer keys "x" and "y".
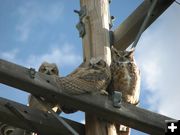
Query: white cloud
{"x": 63, "y": 56}
{"x": 33, "y": 13}
{"x": 10, "y": 55}
{"x": 158, "y": 56}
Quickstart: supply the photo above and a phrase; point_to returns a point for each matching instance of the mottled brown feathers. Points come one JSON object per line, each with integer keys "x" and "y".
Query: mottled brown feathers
{"x": 126, "y": 79}
{"x": 125, "y": 75}
{"x": 90, "y": 79}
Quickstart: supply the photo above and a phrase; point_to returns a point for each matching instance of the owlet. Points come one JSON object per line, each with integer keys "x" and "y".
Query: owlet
{"x": 49, "y": 69}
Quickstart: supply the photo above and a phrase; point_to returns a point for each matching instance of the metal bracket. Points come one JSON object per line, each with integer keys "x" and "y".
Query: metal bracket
{"x": 32, "y": 73}
{"x": 111, "y": 37}
{"x": 117, "y": 99}
{"x": 81, "y": 13}
{"x": 81, "y": 26}
{"x": 111, "y": 19}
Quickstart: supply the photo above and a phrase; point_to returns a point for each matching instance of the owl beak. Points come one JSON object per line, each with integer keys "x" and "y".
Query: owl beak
{"x": 95, "y": 67}
{"x": 48, "y": 72}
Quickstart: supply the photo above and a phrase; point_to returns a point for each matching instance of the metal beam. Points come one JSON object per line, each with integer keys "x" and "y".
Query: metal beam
{"x": 35, "y": 120}
{"x": 135, "y": 117}
{"x": 126, "y": 32}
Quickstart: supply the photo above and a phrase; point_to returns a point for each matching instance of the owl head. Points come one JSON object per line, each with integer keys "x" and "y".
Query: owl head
{"x": 49, "y": 68}
{"x": 97, "y": 63}
{"x": 122, "y": 56}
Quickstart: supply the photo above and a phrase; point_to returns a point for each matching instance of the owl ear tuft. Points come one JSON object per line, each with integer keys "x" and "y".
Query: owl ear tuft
{"x": 113, "y": 49}
{"x": 131, "y": 52}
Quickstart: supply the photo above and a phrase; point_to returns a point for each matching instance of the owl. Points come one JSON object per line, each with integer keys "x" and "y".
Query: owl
{"x": 125, "y": 78}
{"x": 49, "y": 69}
{"x": 92, "y": 79}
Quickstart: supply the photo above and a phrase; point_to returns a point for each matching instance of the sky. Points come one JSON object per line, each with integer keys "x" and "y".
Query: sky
{"x": 34, "y": 31}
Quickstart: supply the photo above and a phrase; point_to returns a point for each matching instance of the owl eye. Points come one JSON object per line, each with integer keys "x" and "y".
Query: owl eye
{"x": 101, "y": 63}
{"x": 55, "y": 71}
{"x": 43, "y": 69}
{"x": 126, "y": 56}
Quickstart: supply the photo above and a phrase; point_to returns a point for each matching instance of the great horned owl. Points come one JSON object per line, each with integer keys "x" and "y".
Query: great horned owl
{"x": 49, "y": 69}
{"x": 125, "y": 77}
{"x": 92, "y": 79}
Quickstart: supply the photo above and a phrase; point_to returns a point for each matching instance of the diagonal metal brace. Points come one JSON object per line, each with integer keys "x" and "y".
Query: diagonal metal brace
{"x": 81, "y": 26}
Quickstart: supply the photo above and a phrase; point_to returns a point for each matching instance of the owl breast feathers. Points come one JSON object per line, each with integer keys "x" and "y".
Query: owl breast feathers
{"x": 125, "y": 75}
{"x": 126, "y": 79}
{"x": 90, "y": 79}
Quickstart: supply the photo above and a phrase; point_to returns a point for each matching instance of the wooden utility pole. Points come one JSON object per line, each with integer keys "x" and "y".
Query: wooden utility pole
{"x": 96, "y": 23}
{"x": 96, "y": 44}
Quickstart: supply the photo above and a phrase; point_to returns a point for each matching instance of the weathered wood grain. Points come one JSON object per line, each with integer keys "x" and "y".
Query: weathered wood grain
{"x": 126, "y": 32}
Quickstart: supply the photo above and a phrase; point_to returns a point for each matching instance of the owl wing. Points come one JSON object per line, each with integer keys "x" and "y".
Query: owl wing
{"x": 95, "y": 76}
{"x": 87, "y": 82}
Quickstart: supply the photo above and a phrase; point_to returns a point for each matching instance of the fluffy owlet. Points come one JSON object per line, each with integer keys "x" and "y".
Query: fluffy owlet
{"x": 92, "y": 79}
{"x": 125, "y": 78}
{"x": 49, "y": 69}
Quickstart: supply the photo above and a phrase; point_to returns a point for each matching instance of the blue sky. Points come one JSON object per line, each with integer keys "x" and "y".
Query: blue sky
{"x": 35, "y": 31}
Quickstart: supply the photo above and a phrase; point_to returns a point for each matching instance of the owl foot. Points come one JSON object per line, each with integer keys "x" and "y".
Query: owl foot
{"x": 104, "y": 92}
{"x": 137, "y": 103}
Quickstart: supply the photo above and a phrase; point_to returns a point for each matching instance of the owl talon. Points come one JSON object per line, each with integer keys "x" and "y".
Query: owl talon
{"x": 104, "y": 92}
